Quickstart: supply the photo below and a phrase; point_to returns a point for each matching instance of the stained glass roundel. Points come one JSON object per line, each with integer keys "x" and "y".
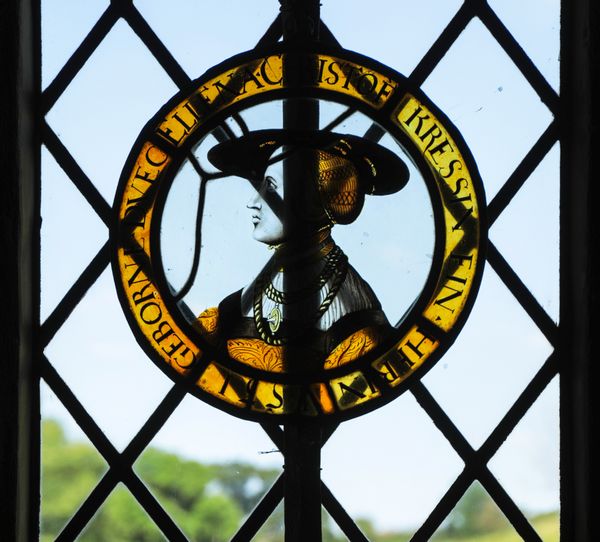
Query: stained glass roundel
{"x": 332, "y": 322}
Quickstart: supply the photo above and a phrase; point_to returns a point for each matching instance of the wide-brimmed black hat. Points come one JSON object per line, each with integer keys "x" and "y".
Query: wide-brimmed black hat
{"x": 380, "y": 171}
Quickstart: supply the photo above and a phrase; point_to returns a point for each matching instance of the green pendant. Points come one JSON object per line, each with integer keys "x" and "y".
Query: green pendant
{"x": 274, "y": 319}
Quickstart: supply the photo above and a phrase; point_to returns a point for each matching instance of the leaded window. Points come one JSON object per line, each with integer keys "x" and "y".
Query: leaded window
{"x": 484, "y": 420}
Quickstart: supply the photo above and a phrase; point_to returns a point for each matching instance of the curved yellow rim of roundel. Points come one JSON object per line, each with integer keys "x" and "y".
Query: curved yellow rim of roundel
{"x": 460, "y": 263}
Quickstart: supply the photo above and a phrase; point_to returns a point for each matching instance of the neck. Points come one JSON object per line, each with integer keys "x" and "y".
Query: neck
{"x": 305, "y": 249}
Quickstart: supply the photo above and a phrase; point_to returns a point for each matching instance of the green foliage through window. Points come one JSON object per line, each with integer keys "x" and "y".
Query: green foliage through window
{"x": 209, "y": 501}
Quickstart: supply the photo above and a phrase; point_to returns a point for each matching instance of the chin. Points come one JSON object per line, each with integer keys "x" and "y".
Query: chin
{"x": 266, "y": 238}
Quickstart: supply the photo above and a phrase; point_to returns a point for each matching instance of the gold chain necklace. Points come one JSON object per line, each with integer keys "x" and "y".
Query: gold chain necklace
{"x": 335, "y": 268}
{"x": 332, "y": 261}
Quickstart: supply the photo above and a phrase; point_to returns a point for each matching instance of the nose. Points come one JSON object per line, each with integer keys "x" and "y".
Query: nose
{"x": 254, "y": 202}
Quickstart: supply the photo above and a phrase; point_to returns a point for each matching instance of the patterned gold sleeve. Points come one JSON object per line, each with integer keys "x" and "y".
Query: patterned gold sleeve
{"x": 256, "y": 353}
{"x": 208, "y": 321}
{"x": 352, "y": 347}
{"x": 261, "y": 355}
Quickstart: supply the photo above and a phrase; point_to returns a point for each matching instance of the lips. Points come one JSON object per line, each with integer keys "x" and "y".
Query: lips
{"x": 255, "y": 219}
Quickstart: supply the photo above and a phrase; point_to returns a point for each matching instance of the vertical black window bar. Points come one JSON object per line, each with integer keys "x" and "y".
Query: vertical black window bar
{"x": 120, "y": 462}
{"x": 19, "y": 227}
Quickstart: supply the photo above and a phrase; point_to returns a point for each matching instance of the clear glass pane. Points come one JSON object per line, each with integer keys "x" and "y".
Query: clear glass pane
{"x": 60, "y": 40}
{"x": 331, "y": 532}
{"x": 202, "y": 34}
{"x": 98, "y": 357}
{"x": 486, "y": 97}
{"x": 264, "y": 116}
{"x": 495, "y": 356}
{"x": 273, "y": 529}
{"x": 71, "y": 466}
{"x": 74, "y": 236}
{"x": 527, "y": 464}
{"x": 206, "y": 501}
{"x": 395, "y": 33}
{"x": 101, "y": 113}
{"x": 536, "y": 26}
{"x": 198, "y": 431}
{"x": 476, "y": 517}
{"x": 390, "y": 468}
{"x": 121, "y": 518}
{"x": 205, "y": 463}
{"x": 527, "y": 233}
{"x": 329, "y": 113}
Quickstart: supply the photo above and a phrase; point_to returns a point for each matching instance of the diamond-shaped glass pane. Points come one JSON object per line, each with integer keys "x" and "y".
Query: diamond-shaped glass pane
{"x": 391, "y": 467}
{"x": 527, "y": 233}
{"x": 191, "y": 30}
{"x": 205, "y": 500}
{"x": 536, "y": 26}
{"x": 330, "y": 530}
{"x": 102, "y": 111}
{"x": 273, "y": 529}
{"x": 476, "y": 517}
{"x": 486, "y": 97}
{"x": 71, "y": 232}
{"x": 205, "y": 462}
{"x": 404, "y": 30}
{"x": 527, "y": 464}
{"x": 98, "y": 357}
{"x": 198, "y": 431}
{"x": 121, "y": 518}
{"x": 59, "y": 38}
{"x": 495, "y": 356}
{"x": 71, "y": 466}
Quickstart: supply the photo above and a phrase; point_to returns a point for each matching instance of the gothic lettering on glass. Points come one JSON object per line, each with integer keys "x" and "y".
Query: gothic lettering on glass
{"x": 305, "y": 334}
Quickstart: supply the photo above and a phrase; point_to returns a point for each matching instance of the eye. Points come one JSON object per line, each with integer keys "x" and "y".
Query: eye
{"x": 270, "y": 183}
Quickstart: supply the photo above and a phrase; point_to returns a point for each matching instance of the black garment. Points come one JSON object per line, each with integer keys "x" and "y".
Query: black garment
{"x": 233, "y": 325}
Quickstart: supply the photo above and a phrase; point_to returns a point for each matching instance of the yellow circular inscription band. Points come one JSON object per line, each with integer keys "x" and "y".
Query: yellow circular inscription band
{"x": 348, "y": 384}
